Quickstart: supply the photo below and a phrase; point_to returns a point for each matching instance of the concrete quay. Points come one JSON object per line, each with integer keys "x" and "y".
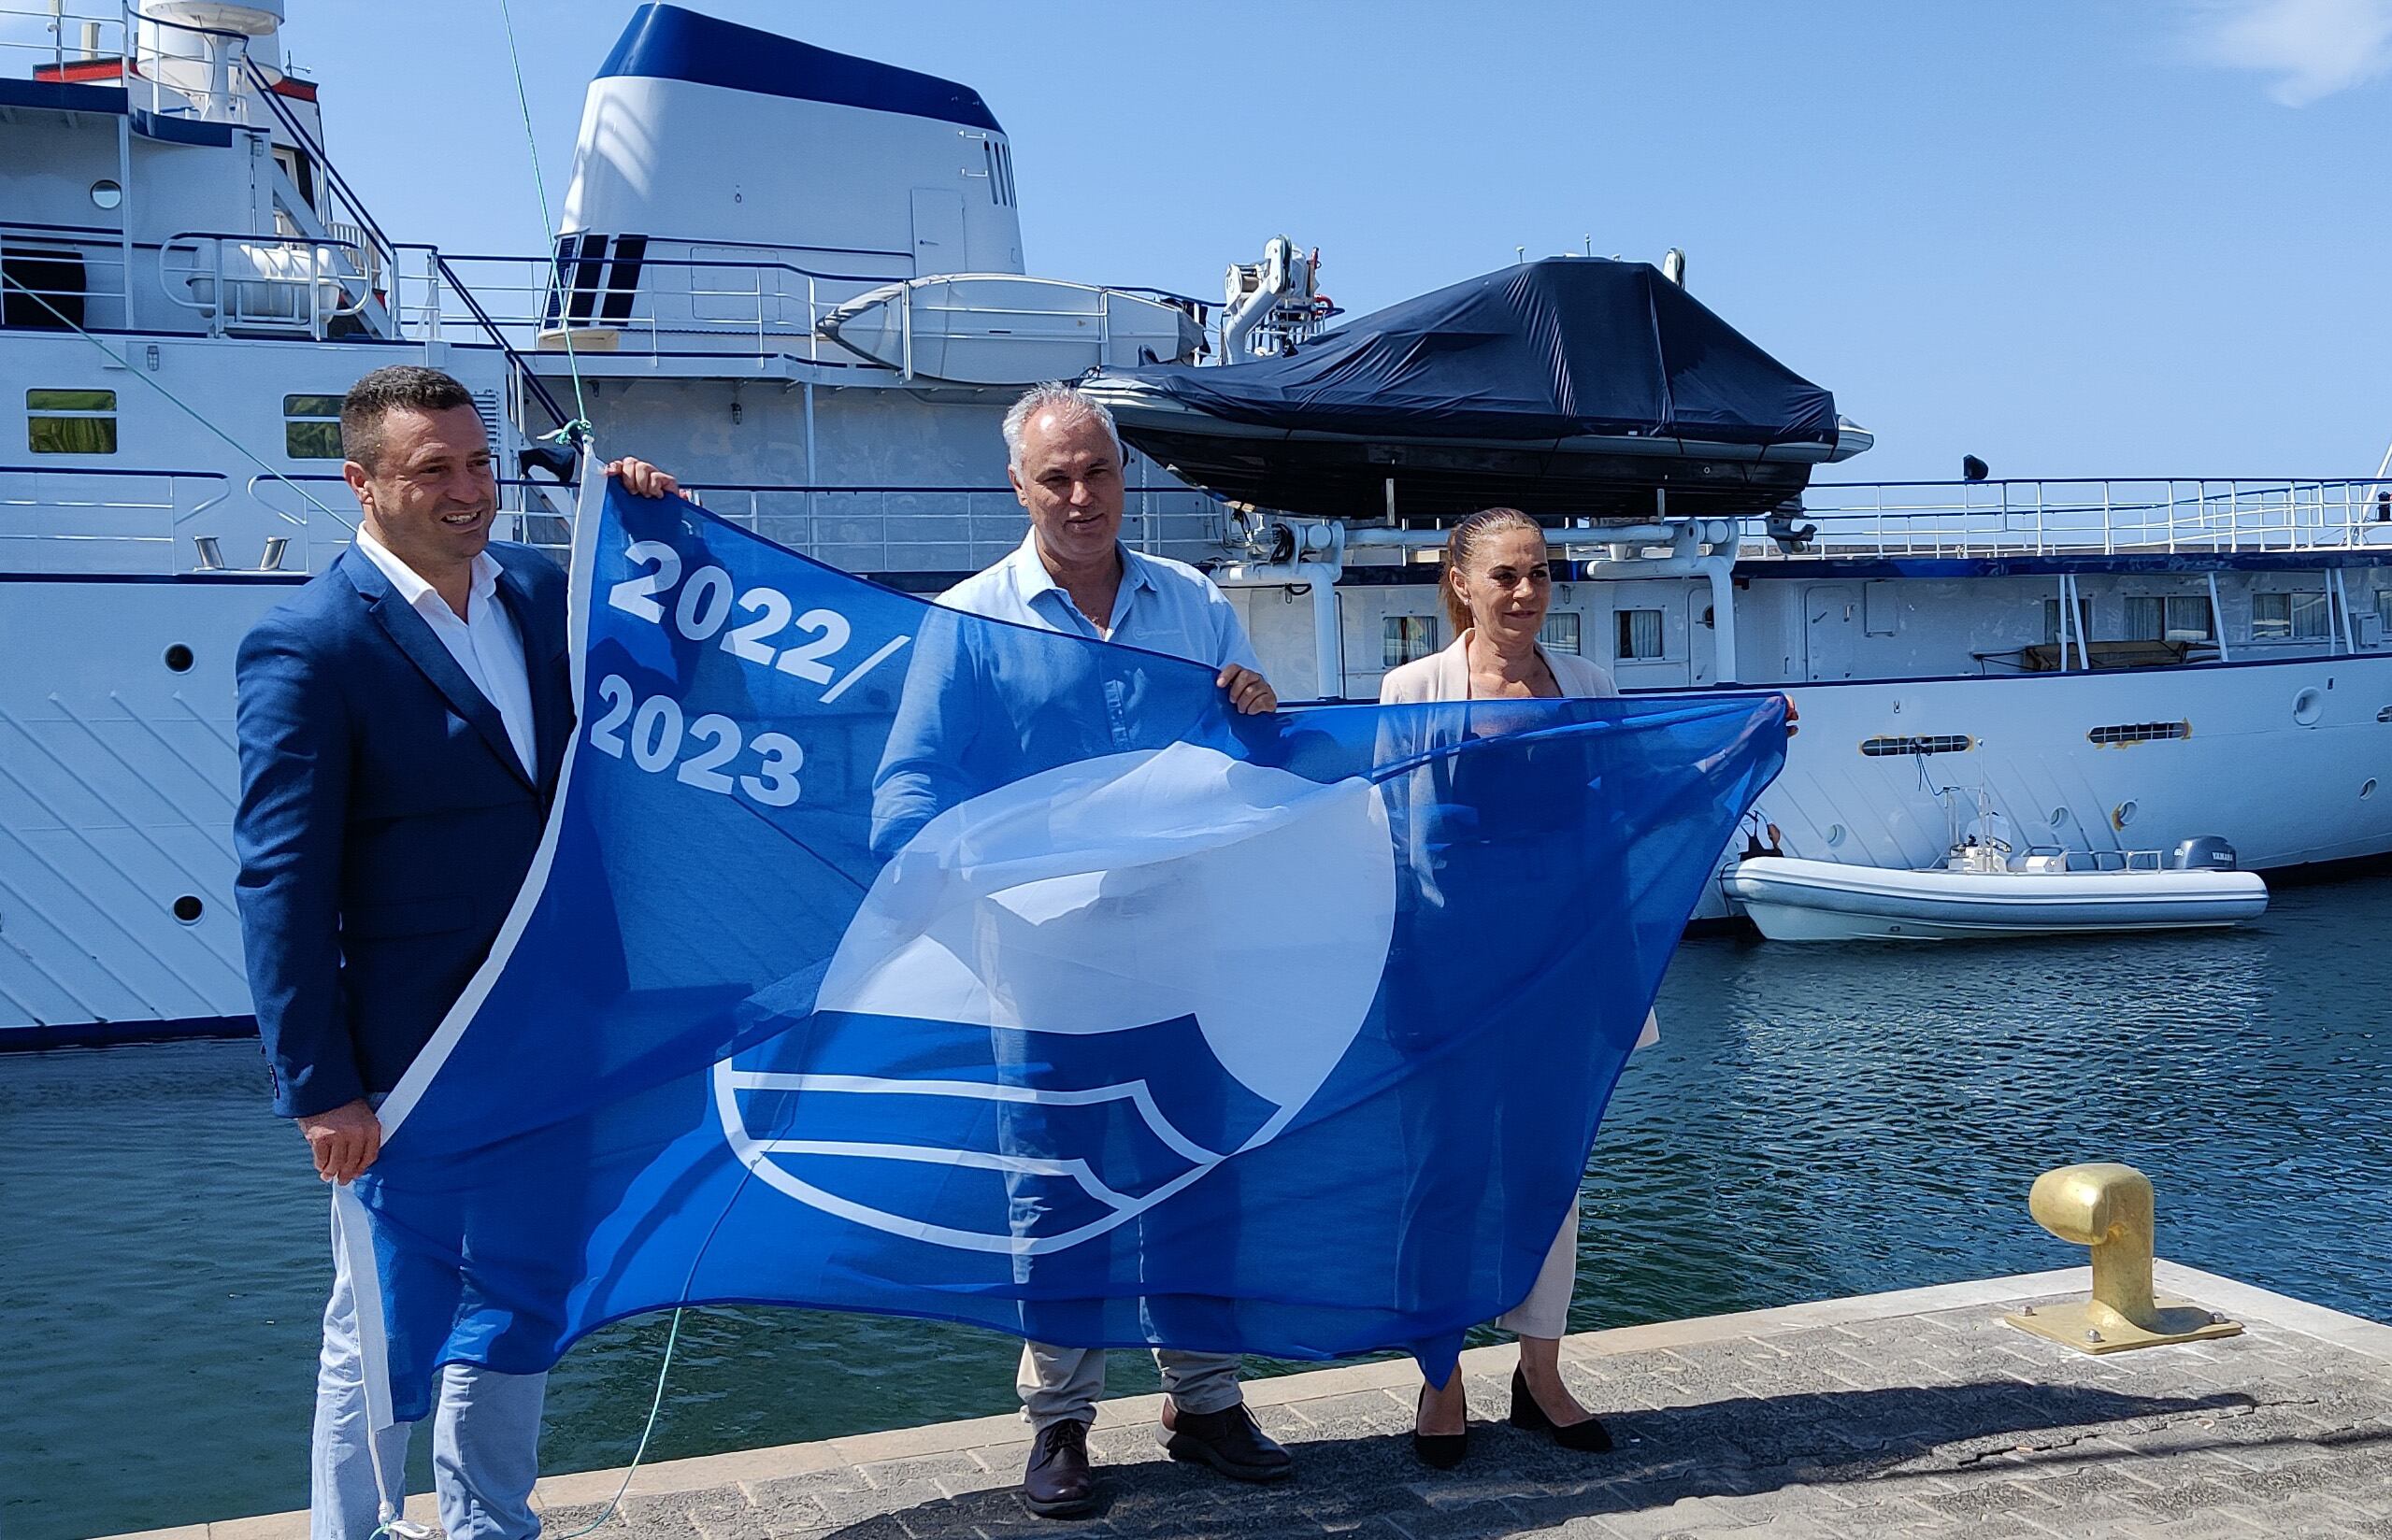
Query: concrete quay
{"x": 1917, "y": 1413}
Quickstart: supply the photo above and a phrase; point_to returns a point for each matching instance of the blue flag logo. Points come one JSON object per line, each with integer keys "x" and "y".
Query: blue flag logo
{"x": 882, "y": 957}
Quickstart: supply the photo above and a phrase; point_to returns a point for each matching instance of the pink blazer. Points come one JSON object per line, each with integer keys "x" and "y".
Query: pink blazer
{"x": 1446, "y": 677}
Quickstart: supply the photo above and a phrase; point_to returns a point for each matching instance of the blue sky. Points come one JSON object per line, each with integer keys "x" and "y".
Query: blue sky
{"x": 2084, "y": 237}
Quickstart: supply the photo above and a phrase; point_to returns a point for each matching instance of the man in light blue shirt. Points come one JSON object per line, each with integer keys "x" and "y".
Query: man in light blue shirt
{"x": 1071, "y": 574}
{"x": 974, "y": 717}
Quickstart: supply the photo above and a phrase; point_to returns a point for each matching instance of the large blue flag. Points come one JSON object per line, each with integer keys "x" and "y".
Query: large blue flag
{"x": 882, "y": 957}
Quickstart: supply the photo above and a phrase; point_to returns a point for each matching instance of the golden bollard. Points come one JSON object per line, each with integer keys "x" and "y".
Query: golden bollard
{"x": 2109, "y": 1207}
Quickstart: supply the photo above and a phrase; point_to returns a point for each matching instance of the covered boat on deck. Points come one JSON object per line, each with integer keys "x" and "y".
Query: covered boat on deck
{"x": 1570, "y": 386}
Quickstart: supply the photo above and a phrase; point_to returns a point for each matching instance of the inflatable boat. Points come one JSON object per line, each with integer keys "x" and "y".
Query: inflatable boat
{"x": 1573, "y": 386}
{"x": 1981, "y": 893}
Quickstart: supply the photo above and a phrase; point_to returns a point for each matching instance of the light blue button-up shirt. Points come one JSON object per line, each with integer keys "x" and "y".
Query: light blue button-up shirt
{"x": 1163, "y": 606}
{"x": 977, "y": 712}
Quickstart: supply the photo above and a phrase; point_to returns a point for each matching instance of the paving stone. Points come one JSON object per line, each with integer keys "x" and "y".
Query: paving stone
{"x": 1948, "y": 1425}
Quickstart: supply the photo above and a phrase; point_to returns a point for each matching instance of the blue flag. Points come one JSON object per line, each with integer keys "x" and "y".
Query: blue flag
{"x": 882, "y": 958}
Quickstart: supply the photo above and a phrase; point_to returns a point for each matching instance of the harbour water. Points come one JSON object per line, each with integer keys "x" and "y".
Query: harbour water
{"x": 1815, "y": 1122}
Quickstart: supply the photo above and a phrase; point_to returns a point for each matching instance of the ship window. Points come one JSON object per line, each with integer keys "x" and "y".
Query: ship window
{"x": 2083, "y": 620}
{"x": 70, "y": 421}
{"x": 311, "y": 427}
{"x": 2290, "y": 617}
{"x": 622, "y": 283}
{"x": 1404, "y": 637}
{"x": 1559, "y": 633}
{"x": 2175, "y": 617}
{"x": 2384, "y": 609}
{"x": 1640, "y": 635}
{"x": 2139, "y": 732}
{"x": 1949, "y": 743}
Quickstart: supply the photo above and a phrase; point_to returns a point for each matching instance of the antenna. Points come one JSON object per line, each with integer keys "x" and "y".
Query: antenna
{"x": 1589, "y": 241}
{"x": 1520, "y": 253}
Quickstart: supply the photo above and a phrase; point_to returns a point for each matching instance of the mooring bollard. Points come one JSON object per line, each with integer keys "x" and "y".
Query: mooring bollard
{"x": 2110, "y": 1208}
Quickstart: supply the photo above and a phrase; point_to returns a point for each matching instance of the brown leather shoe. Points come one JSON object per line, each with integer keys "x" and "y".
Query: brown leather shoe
{"x": 1058, "y": 1483}
{"x": 1230, "y": 1442}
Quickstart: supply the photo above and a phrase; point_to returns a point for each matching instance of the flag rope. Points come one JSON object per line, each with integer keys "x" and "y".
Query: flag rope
{"x": 576, "y": 432}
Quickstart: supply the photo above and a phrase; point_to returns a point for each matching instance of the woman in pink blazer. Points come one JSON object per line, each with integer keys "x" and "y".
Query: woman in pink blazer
{"x": 1497, "y": 588}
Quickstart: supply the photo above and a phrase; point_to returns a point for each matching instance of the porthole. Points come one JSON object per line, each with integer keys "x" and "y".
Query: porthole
{"x": 107, "y": 194}
{"x": 2058, "y": 819}
{"x": 188, "y": 908}
{"x": 2124, "y": 814}
{"x": 1835, "y": 835}
{"x": 2309, "y": 706}
{"x": 2384, "y": 714}
{"x": 179, "y": 658}
{"x": 2367, "y": 788}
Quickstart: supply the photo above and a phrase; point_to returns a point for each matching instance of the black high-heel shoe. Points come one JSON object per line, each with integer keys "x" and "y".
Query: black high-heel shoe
{"x": 1587, "y": 1437}
{"x": 1439, "y": 1451}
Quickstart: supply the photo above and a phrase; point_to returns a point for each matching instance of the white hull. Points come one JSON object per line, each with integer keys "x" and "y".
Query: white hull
{"x": 1796, "y": 900}
{"x": 118, "y": 781}
{"x": 2284, "y": 792}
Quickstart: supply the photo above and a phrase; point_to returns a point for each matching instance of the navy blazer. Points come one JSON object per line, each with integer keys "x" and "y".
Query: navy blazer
{"x": 384, "y": 823}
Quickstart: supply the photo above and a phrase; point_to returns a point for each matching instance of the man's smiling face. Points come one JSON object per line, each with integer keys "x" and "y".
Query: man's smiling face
{"x": 430, "y": 496}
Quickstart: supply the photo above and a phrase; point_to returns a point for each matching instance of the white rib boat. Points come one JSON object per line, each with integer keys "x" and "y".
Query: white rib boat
{"x": 1980, "y": 894}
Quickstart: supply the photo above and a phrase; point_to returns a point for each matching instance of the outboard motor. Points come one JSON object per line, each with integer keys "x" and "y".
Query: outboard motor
{"x": 2202, "y": 853}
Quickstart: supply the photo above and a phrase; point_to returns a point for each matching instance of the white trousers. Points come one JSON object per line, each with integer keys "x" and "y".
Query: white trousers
{"x": 485, "y": 1441}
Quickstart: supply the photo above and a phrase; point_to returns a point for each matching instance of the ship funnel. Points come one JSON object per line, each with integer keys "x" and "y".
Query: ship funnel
{"x": 714, "y": 158}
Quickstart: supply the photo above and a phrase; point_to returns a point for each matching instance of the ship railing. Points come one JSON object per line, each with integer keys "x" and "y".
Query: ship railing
{"x": 672, "y": 305}
{"x": 291, "y": 284}
{"x": 83, "y": 519}
{"x": 940, "y": 529}
{"x": 170, "y": 69}
{"x": 60, "y": 35}
{"x": 32, "y": 299}
{"x": 2204, "y": 515}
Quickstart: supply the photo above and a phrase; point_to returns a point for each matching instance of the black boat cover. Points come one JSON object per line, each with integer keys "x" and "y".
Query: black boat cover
{"x": 1559, "y": 349}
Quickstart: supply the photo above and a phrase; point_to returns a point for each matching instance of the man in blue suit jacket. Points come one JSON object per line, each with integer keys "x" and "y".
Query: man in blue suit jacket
{"x": 402, "y": 722}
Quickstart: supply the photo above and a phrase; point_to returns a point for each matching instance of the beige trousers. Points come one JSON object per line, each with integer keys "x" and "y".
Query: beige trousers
{"x": 1545, "y": 1313}
{"x": 1061, "y": 1384}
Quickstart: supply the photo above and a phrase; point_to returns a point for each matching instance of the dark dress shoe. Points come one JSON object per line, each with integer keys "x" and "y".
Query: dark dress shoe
{"x": 1437, "y": 1451}
{"x": 1058, "y": 1483}
{"x": 1229, "y": 1441}
{"x": 1587, "y": 1437}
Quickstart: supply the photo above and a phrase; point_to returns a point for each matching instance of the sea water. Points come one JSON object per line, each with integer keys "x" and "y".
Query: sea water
{"x": 1816, "y": 1121}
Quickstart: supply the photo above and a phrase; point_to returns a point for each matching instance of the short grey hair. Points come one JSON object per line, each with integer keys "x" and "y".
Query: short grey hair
{"x": 1055, "y": 395}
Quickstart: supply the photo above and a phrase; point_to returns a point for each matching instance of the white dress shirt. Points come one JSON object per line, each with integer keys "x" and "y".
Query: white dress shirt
{"x": 485, "y": 643}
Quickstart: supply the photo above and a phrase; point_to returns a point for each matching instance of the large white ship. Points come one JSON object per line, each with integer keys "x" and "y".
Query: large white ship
{"x": 796, "y": 279}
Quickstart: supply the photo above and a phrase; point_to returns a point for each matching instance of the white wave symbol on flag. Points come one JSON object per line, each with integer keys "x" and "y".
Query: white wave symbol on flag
{"x": 1092, "y": 986}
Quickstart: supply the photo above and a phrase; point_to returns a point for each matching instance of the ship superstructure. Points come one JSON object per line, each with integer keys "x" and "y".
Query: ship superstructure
{"x": 796, "y": 279}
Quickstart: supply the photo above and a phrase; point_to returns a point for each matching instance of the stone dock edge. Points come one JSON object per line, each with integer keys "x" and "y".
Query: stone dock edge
{"x": 2282, "y": 1315}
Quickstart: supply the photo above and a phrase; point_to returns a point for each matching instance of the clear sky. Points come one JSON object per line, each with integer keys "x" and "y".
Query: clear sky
{"x": 2071, "y": 237}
